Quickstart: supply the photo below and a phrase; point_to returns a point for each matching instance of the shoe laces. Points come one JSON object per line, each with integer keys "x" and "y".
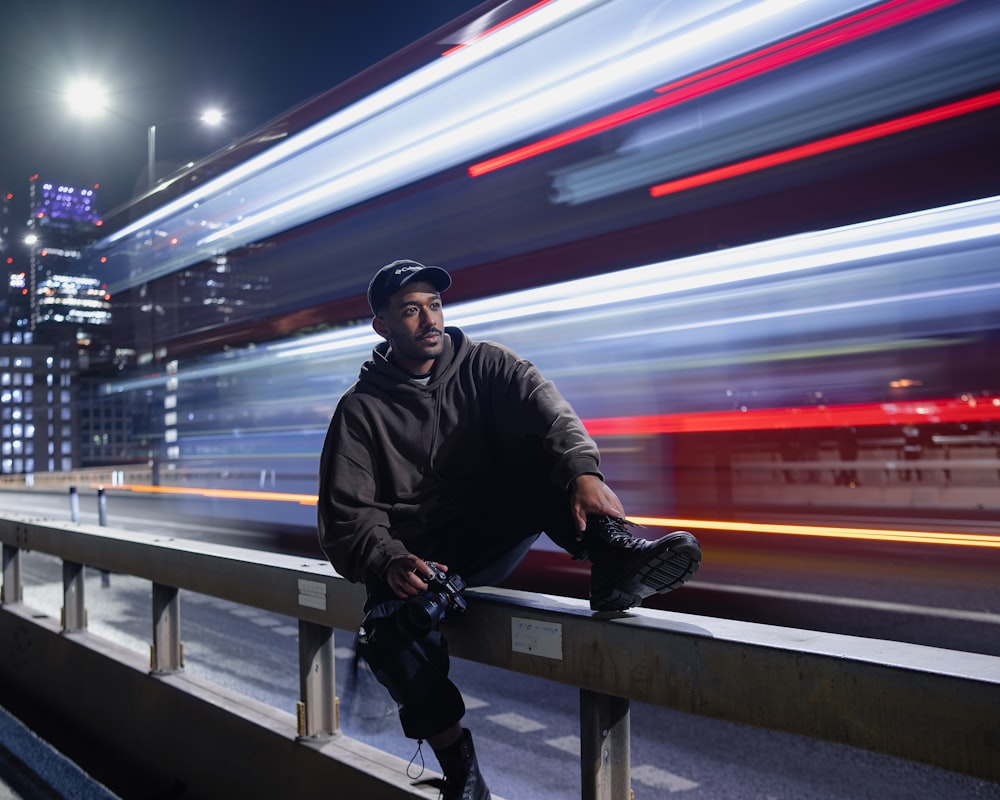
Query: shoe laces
{"x": 616, "y": 533}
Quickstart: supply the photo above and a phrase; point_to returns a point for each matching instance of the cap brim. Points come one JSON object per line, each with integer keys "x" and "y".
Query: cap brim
{"x": 435, "y": 276}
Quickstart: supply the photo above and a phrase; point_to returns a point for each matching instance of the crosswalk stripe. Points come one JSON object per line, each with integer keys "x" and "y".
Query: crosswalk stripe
{"x": 568, "y": 744}
{"x": 516, "y": 722}
{"x": 657, "y": 778}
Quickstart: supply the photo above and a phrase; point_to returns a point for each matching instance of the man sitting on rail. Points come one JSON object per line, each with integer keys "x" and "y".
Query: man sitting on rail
{"x": 446, "y": 460}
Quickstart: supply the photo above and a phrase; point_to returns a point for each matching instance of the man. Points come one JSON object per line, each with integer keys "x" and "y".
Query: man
{"x": 458, "y": 454}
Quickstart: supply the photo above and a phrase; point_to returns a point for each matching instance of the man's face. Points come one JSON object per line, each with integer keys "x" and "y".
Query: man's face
{"x": 413, "y": 323}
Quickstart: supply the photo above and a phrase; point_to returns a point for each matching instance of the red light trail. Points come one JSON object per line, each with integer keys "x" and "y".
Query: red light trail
{"x": 909, "y": 412}
{"x": 838, "y": 142}
{"x": 731, "y": 72}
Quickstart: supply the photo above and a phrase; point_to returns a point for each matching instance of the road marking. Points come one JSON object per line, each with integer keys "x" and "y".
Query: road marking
{"x": 245, "y": 611}
{"x": 852, "y": 602}
{"x": 473, "y": 702}
{"x": 266, "y": 621}
{"x": 516, "y": 722}
{"x": 568, "y": 744}
{"x": 657, "y": 778}
{"x": 651, "y": 776}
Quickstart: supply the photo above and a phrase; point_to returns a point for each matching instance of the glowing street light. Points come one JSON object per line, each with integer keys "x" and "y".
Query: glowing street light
{"x": 211, "y": 117}
{"x": 86, "y": 97}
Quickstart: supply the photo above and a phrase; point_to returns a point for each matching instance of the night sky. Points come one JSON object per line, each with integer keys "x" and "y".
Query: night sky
{"x": 163, "y": 63}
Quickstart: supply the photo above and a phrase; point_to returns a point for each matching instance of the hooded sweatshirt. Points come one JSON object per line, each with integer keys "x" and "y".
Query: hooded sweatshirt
{"x": 403, "y": 457}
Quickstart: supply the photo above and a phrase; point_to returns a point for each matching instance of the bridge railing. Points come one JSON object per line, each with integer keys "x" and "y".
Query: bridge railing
{"x": 925, "y": 704}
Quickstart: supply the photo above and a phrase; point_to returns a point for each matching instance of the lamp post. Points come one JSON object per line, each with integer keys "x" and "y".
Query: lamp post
{"x": 210, "y": 117}
{"x": 88, "y": 98}
{"x": 151, "y": 156}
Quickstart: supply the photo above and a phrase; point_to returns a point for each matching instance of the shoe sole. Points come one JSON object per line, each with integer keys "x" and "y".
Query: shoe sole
{"x": 669, "y": 566}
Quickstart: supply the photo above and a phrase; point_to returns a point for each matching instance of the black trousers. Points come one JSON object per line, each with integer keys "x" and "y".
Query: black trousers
{"x": 483, "y": 549}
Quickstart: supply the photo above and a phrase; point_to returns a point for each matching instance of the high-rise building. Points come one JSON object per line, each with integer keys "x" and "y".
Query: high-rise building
{"x": 54, "y": 311}
{"x": 69, "y": 304}
{"x": 7, "y": 255}
{"x": 37, "y": 426}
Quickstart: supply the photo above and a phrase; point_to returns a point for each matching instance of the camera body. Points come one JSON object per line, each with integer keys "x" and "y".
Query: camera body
{"x": 421, "y": 614}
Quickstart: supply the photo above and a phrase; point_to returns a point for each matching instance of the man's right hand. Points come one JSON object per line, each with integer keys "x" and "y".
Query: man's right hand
{"x": 406, "y": 574}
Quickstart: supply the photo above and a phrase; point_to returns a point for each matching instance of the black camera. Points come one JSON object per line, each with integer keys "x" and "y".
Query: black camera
{"x": 421, "y": 614}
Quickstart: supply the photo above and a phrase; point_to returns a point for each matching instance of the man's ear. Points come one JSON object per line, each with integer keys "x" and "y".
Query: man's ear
{"x": 380, "y": 327}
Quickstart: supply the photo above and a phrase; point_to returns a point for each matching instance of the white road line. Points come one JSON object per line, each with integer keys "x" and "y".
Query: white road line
{"x": 516, "y": 722}
{"x": 646, "y": 774}
{"x": 853, "y": 602}
{"x": 473, "y": 702}
{"x": 657, "y": 778}
{"x": 568, "y": 744}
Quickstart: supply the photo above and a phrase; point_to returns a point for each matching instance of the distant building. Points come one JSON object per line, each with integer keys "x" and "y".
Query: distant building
{"x": 37, "y": 427}
{"x": 69, "y": 306}
{"x": 8, "y": 257}
{"x": 55, "y": 312}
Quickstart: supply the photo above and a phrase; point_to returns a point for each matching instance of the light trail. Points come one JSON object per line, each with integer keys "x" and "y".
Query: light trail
{"x": 827, "y": 532}
{"x": 734, "y": 526}
{"x": 820, "y": 146}
{"x": 724, "y": 75}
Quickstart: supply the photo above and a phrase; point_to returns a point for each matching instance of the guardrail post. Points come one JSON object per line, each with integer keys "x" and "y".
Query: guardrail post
{"x": 102, "y": 507}
{"x": 167, "y": 653}
{"x": 317, "y": 709}
{"x": 74, "y": 504}
{"x": 74, "y": 611}
{"x": 605, "y": 745}
{"x": 13, "y": 590}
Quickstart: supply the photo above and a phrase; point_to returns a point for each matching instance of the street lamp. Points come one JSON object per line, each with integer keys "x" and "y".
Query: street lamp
{"x": 86, "y": 97}
{"x": 211, "y": 117}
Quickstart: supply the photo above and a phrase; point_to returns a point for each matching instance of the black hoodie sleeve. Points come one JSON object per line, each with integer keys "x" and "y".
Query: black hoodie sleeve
{"x": 528, "y": 403}
{"x": 353, "y": 525}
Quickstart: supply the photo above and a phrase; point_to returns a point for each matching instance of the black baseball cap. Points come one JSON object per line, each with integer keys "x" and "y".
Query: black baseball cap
{"x": 392, "y": 277}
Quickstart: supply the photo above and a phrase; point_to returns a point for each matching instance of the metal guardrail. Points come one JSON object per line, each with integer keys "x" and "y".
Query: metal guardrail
{"x": 920, "y": 703}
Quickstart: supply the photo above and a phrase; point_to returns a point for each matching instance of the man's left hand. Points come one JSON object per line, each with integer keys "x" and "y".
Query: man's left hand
{"x": 591, "y": 495}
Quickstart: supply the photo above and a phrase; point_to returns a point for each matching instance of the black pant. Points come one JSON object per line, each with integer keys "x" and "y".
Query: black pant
{"x": 483, "y": 549}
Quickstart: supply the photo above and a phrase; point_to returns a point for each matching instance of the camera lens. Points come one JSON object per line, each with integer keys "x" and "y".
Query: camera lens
{"x": 420, "y": 615}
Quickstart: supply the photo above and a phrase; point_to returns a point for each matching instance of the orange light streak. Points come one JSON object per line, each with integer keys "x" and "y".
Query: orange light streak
{"x": 228, "y": 494}
{"x": 732, "y": 526}
{"x": 825, "y": 532}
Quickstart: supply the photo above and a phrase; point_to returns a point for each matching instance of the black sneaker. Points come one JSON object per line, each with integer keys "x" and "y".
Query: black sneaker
{"x": 625, "y": 570}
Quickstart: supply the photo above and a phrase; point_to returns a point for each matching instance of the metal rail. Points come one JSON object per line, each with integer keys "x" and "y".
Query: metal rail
{"x": 921, "y": 703}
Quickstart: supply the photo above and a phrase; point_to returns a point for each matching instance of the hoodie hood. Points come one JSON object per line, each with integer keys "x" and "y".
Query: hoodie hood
{"x": 380, "y": 370}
